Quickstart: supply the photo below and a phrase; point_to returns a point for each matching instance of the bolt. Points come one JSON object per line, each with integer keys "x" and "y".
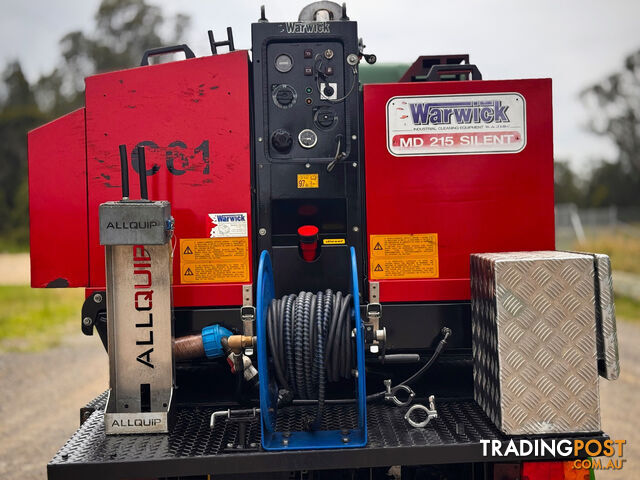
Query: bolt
{"x": 285, "y": 442}
{"x": 97, "y": 298}
{"x": 355, "y": 228}
{"x": 352, "y": 59}
{"x": 262, "y": 232}
{"x": 260, "y": 139}
{"x": 354, "y": 137}
{"x": 65, "y": 456}
{"x": 345, "y": 439}
{"x": 229, "y": 445}
{"x": 253, "y": 445}
{"x": 354, "y": 164}
{"x": 307, "y": 165}
{"x": 86, "y": 321}
{"x": 374, "y": 349}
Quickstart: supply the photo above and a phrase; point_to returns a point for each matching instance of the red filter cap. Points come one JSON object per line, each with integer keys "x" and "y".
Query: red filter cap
{"x": 308, "y": 238}
{"x": 308, "y": 233}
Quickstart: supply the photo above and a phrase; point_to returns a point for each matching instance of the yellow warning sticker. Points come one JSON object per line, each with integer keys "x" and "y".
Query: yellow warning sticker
{"x": 403, "y": 256}
{"x": 308, "y": 180}
{"x": 334, "y": 241}
{"x": 214, "y": 260}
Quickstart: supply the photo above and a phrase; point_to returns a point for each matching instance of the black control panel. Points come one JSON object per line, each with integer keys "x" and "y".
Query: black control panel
{"x": 307, "y": 165}
{"x": 306, "y": 116}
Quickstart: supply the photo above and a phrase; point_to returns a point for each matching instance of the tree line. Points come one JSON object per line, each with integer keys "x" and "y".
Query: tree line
{"x": 121, "y": 32}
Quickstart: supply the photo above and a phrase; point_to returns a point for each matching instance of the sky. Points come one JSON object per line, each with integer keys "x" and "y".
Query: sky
{"x": 574, "y": 42}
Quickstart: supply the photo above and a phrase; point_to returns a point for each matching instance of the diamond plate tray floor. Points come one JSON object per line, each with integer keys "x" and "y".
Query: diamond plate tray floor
{"x": 192, "y": 448}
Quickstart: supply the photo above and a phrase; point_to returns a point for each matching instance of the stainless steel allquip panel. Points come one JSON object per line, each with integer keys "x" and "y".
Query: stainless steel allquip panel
{"x": 140, "y": 338}
{"x": 534, "y": 341}
{"x": 135, "y": 222}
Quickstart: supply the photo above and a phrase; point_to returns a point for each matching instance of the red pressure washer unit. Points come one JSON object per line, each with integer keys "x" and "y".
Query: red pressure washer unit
{"x": 305, "y": 245}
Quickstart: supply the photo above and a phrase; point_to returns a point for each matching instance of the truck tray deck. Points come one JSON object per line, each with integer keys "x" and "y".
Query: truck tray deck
{"x": 192, "y": 448}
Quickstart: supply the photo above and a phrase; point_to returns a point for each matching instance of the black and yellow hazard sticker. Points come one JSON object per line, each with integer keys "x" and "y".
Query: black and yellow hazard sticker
{"x": 403, "y": 256}
{"x": 214, "y": 260}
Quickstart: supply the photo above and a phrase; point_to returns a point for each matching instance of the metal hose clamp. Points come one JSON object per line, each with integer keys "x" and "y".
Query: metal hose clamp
{"x": 391, "y": 394}
{"x": 430, "y": 411}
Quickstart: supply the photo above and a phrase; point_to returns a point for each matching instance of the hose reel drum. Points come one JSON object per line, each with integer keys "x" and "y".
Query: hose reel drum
{"x": 304, "y": 341}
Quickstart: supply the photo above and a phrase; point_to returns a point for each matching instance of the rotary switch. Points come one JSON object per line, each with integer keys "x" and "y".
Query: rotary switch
{"x": 282, "y": 140}
{"x": 284, "y": 96}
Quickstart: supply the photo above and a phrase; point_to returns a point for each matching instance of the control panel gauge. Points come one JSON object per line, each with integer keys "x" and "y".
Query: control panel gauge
{"x": 307, "y": 138}
{"x": 284, "y": 63}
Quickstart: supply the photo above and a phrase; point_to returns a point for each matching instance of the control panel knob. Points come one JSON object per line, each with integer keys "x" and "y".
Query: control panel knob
{"x": 325, "y": 117}
{"x": 282, "y": 140}
{"x": 284, "y": 96}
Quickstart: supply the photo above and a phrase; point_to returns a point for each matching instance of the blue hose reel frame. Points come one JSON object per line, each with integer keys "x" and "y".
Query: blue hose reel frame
{"x": 303, "y": 440}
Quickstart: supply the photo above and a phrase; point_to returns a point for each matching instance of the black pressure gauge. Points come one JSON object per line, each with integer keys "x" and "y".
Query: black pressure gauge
{"x": 307, "y": 138}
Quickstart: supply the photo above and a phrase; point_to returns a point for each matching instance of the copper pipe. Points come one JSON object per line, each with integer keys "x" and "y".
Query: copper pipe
{"x": 188, "y": 348}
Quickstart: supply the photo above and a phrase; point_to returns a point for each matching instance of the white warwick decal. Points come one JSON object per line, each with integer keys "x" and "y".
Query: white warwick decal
{"x": 228, "y": 225}
{"x": 456, "y": 124}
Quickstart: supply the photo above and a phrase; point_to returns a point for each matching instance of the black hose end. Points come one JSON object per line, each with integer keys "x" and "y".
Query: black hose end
{"x": 285, "y": 397}
{"x": 446, "y": 332}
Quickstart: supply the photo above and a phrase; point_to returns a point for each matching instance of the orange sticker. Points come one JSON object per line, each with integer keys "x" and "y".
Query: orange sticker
{"x": 214, "y": 260}
{"x": 403, "y": 256}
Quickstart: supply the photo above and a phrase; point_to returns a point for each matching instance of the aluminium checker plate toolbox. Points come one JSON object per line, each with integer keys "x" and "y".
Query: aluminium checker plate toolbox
{"x": 541, "y": 323}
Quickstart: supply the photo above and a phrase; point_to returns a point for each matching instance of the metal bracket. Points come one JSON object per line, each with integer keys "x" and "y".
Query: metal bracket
{"x": 243, "y": 418}
{"x": 248, "y": 314}
{"x": 94, "y": 313}
{"x": 374, "y": 313}
{"x": 228, "y": 42}
{"x": 391, "y": 394}
{"x": 430, "y": 411}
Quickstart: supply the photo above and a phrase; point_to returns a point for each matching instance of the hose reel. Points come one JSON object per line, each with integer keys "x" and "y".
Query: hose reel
{"x": 305, "y": 340}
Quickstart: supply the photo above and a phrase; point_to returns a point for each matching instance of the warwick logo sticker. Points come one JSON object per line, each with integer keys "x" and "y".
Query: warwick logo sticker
{"x": 456, "y": 124}
{"x": 458, "y": 113}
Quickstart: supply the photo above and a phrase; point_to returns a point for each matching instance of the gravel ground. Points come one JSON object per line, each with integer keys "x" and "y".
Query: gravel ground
{"x": 40, "y": 398}
{"x": 620, "y": 405}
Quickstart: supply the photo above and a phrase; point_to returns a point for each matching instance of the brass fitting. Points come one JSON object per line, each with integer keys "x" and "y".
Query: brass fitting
{"x": 238, "y": 342}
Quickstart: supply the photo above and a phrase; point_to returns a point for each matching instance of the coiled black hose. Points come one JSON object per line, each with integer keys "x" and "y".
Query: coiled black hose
{"x": 310, "y": 343}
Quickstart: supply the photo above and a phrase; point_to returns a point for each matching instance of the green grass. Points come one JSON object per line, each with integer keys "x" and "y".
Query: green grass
{"x": 35, "y": 319}
{"x": 622, "y": 248}
{"x": 627, "y": 308}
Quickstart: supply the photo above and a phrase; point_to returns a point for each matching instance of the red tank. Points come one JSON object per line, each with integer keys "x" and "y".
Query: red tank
{"x": 454, "y": 168}
{"x": 192, "y": 117}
